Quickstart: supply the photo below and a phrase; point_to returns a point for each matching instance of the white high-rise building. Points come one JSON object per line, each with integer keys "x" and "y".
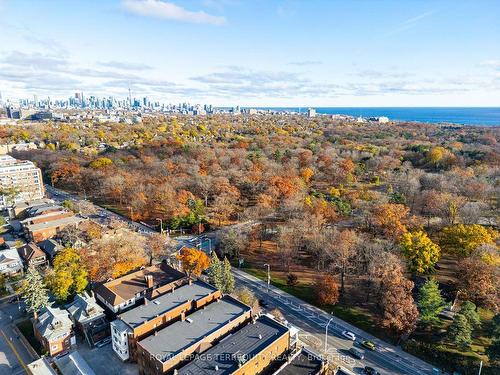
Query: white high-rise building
{"x": 20, "y": 180}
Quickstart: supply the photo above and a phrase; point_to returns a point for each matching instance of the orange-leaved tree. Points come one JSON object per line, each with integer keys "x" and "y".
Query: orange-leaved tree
{"x": 193, "y": 261}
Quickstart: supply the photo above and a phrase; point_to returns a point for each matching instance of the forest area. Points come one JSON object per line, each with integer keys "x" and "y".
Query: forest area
{"x": 393, "y": 227}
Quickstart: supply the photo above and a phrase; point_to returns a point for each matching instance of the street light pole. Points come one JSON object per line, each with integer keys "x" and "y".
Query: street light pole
{"x": 268, "y": 276}
{"x": 480, "y": 367}
{"x": 326, "y": 334}
{"x": 161, "y": 225}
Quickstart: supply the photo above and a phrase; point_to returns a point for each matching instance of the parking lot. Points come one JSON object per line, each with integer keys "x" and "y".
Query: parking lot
{"x": 104, "y": 361}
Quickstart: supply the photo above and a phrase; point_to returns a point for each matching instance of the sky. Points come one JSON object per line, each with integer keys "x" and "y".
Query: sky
{"x": 255, "y": 52}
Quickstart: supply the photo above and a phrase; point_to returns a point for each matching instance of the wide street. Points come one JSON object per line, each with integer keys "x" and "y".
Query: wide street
{"x": 387, "y": 359}
{"x": 13, "y": 354}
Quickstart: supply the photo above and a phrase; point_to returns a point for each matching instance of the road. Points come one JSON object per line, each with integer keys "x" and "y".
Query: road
{"x": 13, "y": 354}
{"x": 387, "y": 359}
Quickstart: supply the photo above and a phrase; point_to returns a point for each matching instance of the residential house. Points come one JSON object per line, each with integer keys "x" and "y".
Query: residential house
{"x": 89, "y": 318}
{"x": 139, "y": 322}
{"x": 124, "y": 292}
{"x": 32, "y": 255}
{"x": 54, "y": 330}
{"x": 10, "y": 262}
{"x": 51, "y": 248}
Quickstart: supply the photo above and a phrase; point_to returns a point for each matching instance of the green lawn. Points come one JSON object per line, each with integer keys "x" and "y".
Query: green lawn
{"x": 26, "y": 328}
{"x": 357, "y": 316}
{"x": 429, "y": 346}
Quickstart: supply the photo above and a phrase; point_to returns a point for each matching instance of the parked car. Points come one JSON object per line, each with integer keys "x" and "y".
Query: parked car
{"x": 349, "y": 335}
{"x": 263, "y": 303}
{"x": 103, "y": 342}
{"x": 356, "y": 353}
{"x": 368, "y": 345}
{"x": 370, "y": 371}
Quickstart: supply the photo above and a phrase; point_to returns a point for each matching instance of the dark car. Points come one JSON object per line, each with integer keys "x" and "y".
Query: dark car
{"x": 356, "y": 353}
{"x": 263, "y": 303}
{"x": 103, "y": 342}
{"x": 370, "y": 371}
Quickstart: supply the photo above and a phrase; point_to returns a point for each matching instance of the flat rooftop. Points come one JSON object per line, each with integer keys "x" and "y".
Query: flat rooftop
{"x": 54, "y": 223}
{"x": 304, "y": 363}
{"x": 181, "y": 335}
{"x": 159, "y": 306}
{"x": 247, "y": 343}
{"x": 124, "y": 288}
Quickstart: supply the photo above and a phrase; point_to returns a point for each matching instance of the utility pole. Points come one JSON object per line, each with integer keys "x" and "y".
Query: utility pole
{"x": 268, "y": 276}
{"x": 326, "y": 334}
{"x": 480, "y": 367}
{"x": 161, "y": 225}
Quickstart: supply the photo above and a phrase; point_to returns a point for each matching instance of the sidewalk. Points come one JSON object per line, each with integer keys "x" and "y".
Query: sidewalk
{"x": 320, "y": 317}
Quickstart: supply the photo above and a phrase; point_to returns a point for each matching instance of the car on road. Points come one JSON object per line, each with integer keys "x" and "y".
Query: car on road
{"x": 370, "y": 371}
{"x": 349, "y": 335}
{"x": 103, "y": 342}
{"x": 368, "y": 345}
{"x": 356, "y": 353}
{"x": 263, "y": 303}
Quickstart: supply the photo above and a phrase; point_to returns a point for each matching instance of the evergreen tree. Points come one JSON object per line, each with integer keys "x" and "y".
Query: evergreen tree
{"x": 468, "y": 310}
{"x": 460, "y": 331}
{"x": 430, "y": 302}
{"x": 228, "y": 278}
{"x": 215, "y": 272}
{"x": 493, "y": 351}
{"x": 34, "y": 291}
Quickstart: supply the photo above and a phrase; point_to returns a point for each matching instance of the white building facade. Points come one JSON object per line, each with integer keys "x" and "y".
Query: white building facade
{"x": 20, "y": 180}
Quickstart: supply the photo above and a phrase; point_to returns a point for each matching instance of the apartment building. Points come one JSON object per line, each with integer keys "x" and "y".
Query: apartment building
{"x": 45, "y": 221}
{"x": 125, "y": 292}
{"x": 20, "y": 180}
{"x": 54, "y": 330}
{"x": 250, "y": 350}
{"x": 138, "y": 323}
{"x": 175, "y": 344}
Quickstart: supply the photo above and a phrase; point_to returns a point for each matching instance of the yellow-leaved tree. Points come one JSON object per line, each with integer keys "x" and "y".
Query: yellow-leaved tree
{"x": 421, "y": 253}
{"x": 463, "y": 239}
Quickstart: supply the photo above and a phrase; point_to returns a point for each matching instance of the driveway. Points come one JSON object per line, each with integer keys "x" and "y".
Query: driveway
{"x": 104, "y": 361}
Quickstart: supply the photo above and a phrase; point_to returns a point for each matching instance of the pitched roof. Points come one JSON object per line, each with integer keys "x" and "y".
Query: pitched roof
{"x": 53, "y": 322}
{"x": 29, "y": 251}
{"x": 9, "y": 255}
{"x": 50, "y": 246}
{"x": 124, "y": 288}
{"x": 248, "y": 342}
{"x": 84, "y": 308}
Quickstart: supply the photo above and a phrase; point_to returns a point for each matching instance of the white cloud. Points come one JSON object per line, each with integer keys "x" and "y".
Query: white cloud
{"x": 170, "y": 11}
{"x": 495, "y": 64}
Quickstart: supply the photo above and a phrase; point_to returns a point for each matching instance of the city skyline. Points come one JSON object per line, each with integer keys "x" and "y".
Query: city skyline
{"x": 276, "y": 53}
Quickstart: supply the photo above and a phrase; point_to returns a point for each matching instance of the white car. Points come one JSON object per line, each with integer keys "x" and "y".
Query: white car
{"x": 349, "y": 335}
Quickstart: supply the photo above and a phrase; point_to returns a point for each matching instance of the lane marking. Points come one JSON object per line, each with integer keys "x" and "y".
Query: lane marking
{"x": 15, "y": 351}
